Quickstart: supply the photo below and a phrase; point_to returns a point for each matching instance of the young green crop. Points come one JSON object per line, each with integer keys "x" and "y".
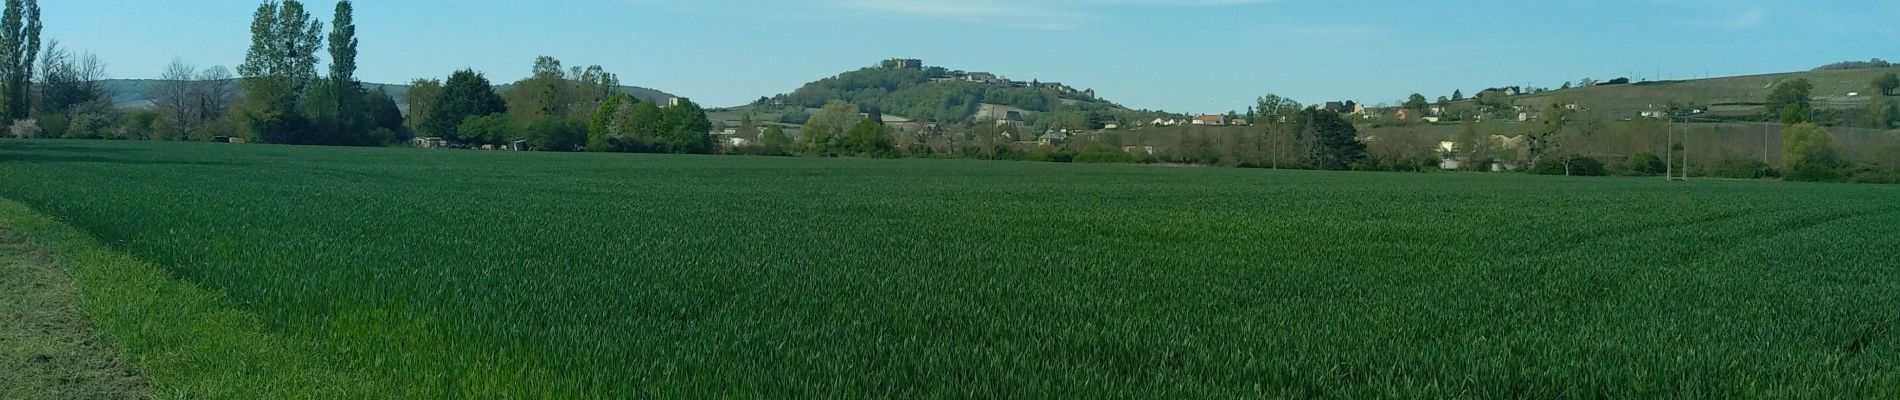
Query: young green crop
{"x": 524, "y": 275}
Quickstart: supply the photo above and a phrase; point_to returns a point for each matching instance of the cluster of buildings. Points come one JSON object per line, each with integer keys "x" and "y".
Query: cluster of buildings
{"x": 1200, "y": 120}
{"x": 986, "y": 78}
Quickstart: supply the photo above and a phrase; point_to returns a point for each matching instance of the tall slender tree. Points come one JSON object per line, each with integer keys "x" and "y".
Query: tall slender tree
{"x": 343, "y": 116}
{"x": 19, "y": 50}
{"x": 343, "y": 43}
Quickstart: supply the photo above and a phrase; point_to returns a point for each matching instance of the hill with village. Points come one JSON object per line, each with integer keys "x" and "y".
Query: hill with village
{"x": 1737, "y": 98}
{"x": 907, "y": 90}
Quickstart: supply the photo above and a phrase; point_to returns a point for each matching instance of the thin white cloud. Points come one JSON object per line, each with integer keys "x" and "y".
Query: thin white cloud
{"x": 1746, "y": 18}
{"x": 1750, "y": 18}
{"x": 1029, "y": 14}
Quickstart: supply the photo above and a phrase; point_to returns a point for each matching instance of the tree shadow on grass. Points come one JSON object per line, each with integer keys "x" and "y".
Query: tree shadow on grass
{"x": 67, "y": 152}
{"x": 43, "y": 158}
{"x": 38, "y": 145}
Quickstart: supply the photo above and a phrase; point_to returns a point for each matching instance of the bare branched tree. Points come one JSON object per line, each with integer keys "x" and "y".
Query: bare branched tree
{"x": 175, "y": 98}
{"x": 216, "y": 89}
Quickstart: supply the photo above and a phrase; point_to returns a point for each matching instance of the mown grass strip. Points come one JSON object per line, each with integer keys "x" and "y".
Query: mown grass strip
{"x": 46, "y": 349}
{"x": 188, "y": 340}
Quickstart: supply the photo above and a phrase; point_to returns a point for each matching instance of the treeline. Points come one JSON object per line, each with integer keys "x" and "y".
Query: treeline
{"x": 554, "y": 109}
{"x": 279, "y": 96}
{"x": 47, "y": 90}
{"x": 1315, "y": 139}
{"x": 1288, "y": 135}
{"x": 1844, "y": 65}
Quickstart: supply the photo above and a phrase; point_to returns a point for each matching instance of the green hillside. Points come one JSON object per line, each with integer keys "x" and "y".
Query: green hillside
{"x": 937, "y": 94}
{"x": 1740, "y": 95}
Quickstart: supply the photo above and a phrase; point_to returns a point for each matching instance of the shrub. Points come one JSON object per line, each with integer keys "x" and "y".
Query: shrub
{"x": 1742, "y": 169}
{"x": 26, "y": 129}
{"x": 1807, "y": 154}
{"x": 1647, "y": 164}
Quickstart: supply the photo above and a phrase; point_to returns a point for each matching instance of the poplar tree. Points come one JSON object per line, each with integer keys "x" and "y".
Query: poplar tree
{"x": 19, "y": 50}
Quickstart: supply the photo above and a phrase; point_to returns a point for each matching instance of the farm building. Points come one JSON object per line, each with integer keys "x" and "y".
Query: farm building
{"x": 431, "y": 142}
{"x": 1053, "y": 138}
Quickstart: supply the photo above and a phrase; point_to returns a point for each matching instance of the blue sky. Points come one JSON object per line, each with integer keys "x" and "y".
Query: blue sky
{"x": 1180, "y": 55}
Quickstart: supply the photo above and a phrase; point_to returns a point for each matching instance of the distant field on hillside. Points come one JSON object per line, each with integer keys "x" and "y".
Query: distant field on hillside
{"x": 531, "y": 275}
{"x": 1831, "y": 89}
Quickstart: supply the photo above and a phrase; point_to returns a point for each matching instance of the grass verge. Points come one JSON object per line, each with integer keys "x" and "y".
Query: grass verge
{"x": 46, "y": 349}
{"x": 190, "y": 342}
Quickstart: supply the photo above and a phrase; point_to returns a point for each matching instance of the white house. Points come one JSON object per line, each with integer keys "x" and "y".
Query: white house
{"x": 1211, "y": 119}
{"x": 1448, "y": 159}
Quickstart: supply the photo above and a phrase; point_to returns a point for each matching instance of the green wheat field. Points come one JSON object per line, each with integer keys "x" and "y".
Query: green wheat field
{"x": 400, "y": 273}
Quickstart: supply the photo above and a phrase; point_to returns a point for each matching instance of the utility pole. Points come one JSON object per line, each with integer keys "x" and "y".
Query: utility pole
{"x": 1669, "y": 154}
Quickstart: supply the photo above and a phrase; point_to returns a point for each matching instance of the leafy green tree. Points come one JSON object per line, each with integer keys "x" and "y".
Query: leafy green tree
{"x": 284, "y": 42}
{"x": 598, "y": 84}
{"x": 545, "y": 93}
{"x": 466, "y": 94}
{"x": 1887, "y": 83}
{"x": 1808, "y": 154}
{"x": 828, "y": 126}
{"x": 1417, "y": 102}
{"x": 640, "y": 127}
{"x": 869, "y": 138}
{"x": 1880, "y": 113}
{"x": 1494, "y": 99}
{"x": 1647, "y": 164}
{"x": 19, "y": 46}
{"x": 775, "y": 141}
{"x": 601, "y": 131}
{"x": 277, "y": 70}
{"x": 421, "y": 97}
{"x": 1336, "y": 143}
{"x": 488, "y": 129}
{"x": 1793, "y": 114}
{"x": 1458, "y": 95}
{"x": 321, "y": 102}
{"x": 1547, "y": 135}
{"x": 1792, "y": 101}
{"x": 685, "y": 129}
{"x": 555, "y": 134}
{"x": 1273, "y": 107}
{"x": 384, "y": 113}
